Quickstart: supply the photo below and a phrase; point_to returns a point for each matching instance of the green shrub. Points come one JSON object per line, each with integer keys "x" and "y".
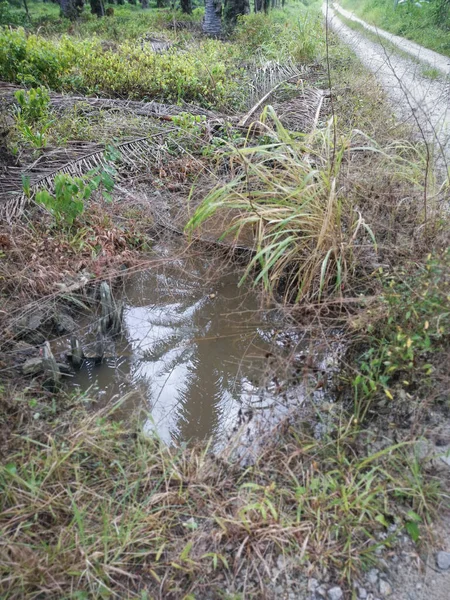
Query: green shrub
{"x": 32, "y": 118}
{"x": 204, "y": 74}
{"x": 9, "y": 16}
{"x": 71, "y": 193}
{"x": 32, "y": 60}
{"x": 68, "y": 201}
{"x": 33, "y": 104}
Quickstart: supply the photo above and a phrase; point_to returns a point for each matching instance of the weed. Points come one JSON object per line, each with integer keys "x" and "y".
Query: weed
{"x": 306, "y": 234}
{"x": 71, "y": 194}
{"x": 32, "y": 119}
{"x": 415, "y": 326}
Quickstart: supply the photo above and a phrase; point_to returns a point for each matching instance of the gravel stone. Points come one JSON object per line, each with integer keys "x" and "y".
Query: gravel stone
{"x": 335, "y": 593}
{"x": 385, "y": 588}
{"x": 313, "y": 584}
{"x": 443, "y": 560}
{"x": 362, "y": 593}
{"x": 372, "y": 576}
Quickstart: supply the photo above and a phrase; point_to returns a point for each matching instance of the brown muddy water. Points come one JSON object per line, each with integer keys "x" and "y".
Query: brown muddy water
{"x": 199, "y": 356}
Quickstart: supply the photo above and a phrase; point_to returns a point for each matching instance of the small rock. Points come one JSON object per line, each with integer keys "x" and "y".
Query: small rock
{"x": 362, "y": 593}
{"x": 64, "y": 323}
{"x": 445, "y": 458}
{"x": 335, "y": 593}
{"x": 379, "y": 550}
{"x": 443, "y": 560}
{"x": 321, "y": 591}
{"x": 372, "y": 576}
{"x": 281, "y": 563}
{"x": 33, "y": 366}
{"x": 385, "y": 588}
{"x": 313, "y": 584}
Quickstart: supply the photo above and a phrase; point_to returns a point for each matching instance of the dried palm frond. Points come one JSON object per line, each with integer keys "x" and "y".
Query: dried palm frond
{"x": 78, "y": 159}
{"x": 145, "y": 109}
{"x": 268, "y": 76}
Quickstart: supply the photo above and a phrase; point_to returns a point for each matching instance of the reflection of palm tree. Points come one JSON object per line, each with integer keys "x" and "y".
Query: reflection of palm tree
{"x": 213, "y": 370}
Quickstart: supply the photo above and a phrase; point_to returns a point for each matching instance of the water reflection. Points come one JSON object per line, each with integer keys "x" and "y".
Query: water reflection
{"x": 193, "y": 349}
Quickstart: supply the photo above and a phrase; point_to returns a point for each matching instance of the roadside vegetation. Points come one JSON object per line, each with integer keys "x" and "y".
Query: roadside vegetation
{"x": 346, "y": 229}
{"x": 427, "y": 23}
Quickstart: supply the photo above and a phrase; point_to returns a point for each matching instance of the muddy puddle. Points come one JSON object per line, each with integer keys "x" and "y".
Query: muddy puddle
{"x": 198, "y": 356}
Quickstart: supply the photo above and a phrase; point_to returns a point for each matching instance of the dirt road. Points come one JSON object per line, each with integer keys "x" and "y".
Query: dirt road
{"x": 402, "y": 68}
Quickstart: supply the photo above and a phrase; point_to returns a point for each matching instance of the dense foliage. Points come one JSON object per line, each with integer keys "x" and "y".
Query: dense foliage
{"x": 203, "y": 74}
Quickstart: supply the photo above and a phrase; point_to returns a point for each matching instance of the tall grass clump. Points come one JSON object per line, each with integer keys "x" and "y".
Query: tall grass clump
{"x": 282, "y": 35}
{"x": 308, "y": 237}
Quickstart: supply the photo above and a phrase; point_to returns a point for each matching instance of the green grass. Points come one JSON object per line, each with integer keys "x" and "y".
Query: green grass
{"x": 424, "y": 25}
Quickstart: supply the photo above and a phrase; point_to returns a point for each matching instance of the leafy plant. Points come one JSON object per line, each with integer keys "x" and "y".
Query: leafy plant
{"x": 71, "y": 193}
{"x": 414, "y": 327}
{"x": 32, "y": 118}
{"x": 67, "y": 203}
{"x": 33, "y": 104}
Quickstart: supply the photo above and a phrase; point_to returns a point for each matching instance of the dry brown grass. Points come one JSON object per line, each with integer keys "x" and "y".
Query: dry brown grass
{"x": 90, "y": 508}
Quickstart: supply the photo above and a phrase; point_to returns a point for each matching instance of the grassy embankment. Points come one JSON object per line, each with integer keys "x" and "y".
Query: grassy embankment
{"x": 428, "y": 24}
{"x": 93, "y": 508}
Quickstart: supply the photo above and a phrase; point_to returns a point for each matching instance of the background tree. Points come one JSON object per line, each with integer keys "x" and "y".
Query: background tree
{"x": 145, "y": 4}
{"x": 234, "y": 8}
{"x": 97, "y": 8}
{"x": 186, "y": 6}
{"x": 212, "y": 22}
{"x": 69, "y": 9}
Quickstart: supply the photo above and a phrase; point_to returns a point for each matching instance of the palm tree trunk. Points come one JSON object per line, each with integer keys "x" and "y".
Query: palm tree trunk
{"x": 212, "y": 23}
{"x": 186, "y": 6}
{"x": 97, "y": 8}
{"x": 234, "y": 8}
{"x": 68, "y": 9}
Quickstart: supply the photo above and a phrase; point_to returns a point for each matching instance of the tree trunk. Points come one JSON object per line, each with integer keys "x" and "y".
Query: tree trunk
{"x": 258, "y": 5}
{"x": 234, "y": 8}
{"x": 97, "y": 8}
{"x": 212, "y": 22}
{"x": 186, "y": 6}
{"x": 144, "y": 3}
{"x": 68, "y": 9}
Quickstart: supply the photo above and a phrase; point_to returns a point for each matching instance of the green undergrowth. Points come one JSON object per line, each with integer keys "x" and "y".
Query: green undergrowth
{"x": 111, "y": 57}
{"x": 204, "y": 73}
{"x": 427, "y": 23}
{"x": 408, "y": 337}
{"x": 90, "y": 508}
{"x": 296, "y": 33}
{"x": 128, "y": 21}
